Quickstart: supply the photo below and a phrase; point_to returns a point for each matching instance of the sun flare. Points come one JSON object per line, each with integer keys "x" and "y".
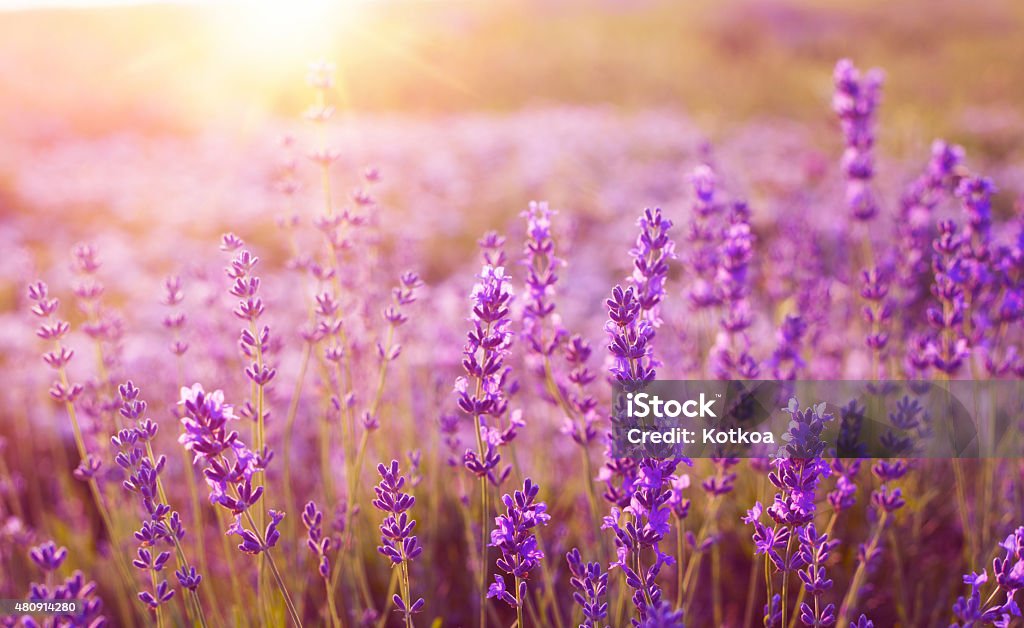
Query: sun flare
{"x": 278, "y": 32}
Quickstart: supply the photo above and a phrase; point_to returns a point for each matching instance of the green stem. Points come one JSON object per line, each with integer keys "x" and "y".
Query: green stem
{"x": 858, "y": 576}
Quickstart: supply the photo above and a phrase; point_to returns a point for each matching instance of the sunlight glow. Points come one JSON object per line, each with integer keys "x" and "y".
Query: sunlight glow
{"x": 279, "y": 32}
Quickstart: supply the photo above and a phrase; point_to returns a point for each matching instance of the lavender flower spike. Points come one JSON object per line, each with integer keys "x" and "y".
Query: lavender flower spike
{"x": 482, "y": 393}
{"x": 591, "y": 584}
{"x": 514, "y": 537}
{"x": 398, "y": 543}
{"x": 651, "y": 255}
{"x": 232, "y": 472}
{"x": 541, "y": 275}
{"x": 855, "y": 102}
{"x": 49, "y": 558}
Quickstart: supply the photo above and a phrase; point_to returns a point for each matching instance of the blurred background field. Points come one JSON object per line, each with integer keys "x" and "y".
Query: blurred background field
{"x": 178, "y": 67}
{"x": 100, "y": 104}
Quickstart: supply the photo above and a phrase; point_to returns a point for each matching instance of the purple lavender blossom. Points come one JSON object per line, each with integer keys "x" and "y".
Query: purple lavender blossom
{"x": 398, "y": 544}
{"x": 645, "y": 528}
{"x": 856, "y": 101}
{"x": 590, "y": 582}
{"x": 49, "y": 558}
{"x": 947, "y": 347}
{"x": 916, "y": 209}
{"x": 576, "y": 393}
{"x": 492, "y": 249}
{"x": 971, "y": 611}
{"x": 877, "y": 312}
{"x": 230, "y": 469}
{"x": 786, "y": 361}
{"x": 730, "y": 355}
{"x": 515, "y": 538}
{"x": 541, "y": 275}
{"x": 161, "y": 525}
{"x": 799, "y": 467}
{"x": 651, "y": 256}
{"x": 814, "y": 553}
{"x": 702, "y": 237}
{"x": 317, "y": 543}
{"x": 482, "y": 394}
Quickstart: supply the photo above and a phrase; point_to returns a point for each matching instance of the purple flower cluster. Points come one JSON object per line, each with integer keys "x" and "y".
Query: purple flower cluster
{"x": 799, "y": 467}
{"x": 590, "y": 582}
{"x": 53, "y": 330}
{"x": 797, "y": 472}
{"x": 647, "y": 523}
{"x": 631, "y": 327}
{"x": 917, "y": 207}
{"x": 541, "y": 275}
{"x": 402, "y": 295}
{"x": 651, "y": 256}
{"x": 229, "y": 467}
{"x": 176, "y": 319}
{"x": 947, "y": 347}
{"x": 971, "y": 611}
{"x": 514, "y": 537}
{"x": 482, "y": 392}
{"x": 813, "y": 554}
{"x": 102, "y": 324}
{"x": 703, "y": 236}
{"x": 633, "y": 311}
{"x": 576, "y": 394}
{"x": 49, "y": 558}
{"x": 730, "y": 355}
{"x": 254, "y": 341}
{"x": 161, "y": 525}
{"x": 398, "y": 543}
{"x": 877, "y": 311}
{"x": 856, "y": 101}
{"x": 316, "y": 541}
{"x": 786, "y": 362}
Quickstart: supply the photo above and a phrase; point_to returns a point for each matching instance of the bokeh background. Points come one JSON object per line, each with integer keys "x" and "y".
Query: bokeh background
{"x": 98, "y": 98}
{"x": 101, "y": 103}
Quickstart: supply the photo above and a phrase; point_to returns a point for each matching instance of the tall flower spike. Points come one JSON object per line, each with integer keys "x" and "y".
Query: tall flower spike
{"x": 590, "y": 582}
{"x": 786, "y": 360}
{"x": 317, "y": 543}
{"x": 160, "y": 524}
{"x": 947, "y": 347}
{"x": 577, "y": 394}
{"x": 482, "y": 393}
{"x": 541, "y": 275}
{"x": 813, "y": 554}
{"x": 855, "y": 101}
{"x": 232, "y": 472}
{"x": 398, "y": 544}
{"x": 645, "y": 528}
{"x": 730, "y": 355}
{"x": 651, "y": 255}
{"x": 877, "y": 313}
{"x": 514, "y": 537}
{"x": 703, "y": 237}
{"x": 640, "y": 489}
{"x": 916, "y": 209}
{"x": 175, "y": 320}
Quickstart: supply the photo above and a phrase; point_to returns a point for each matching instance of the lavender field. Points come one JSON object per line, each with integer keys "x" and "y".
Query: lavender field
{"x": 320, "y": 325}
